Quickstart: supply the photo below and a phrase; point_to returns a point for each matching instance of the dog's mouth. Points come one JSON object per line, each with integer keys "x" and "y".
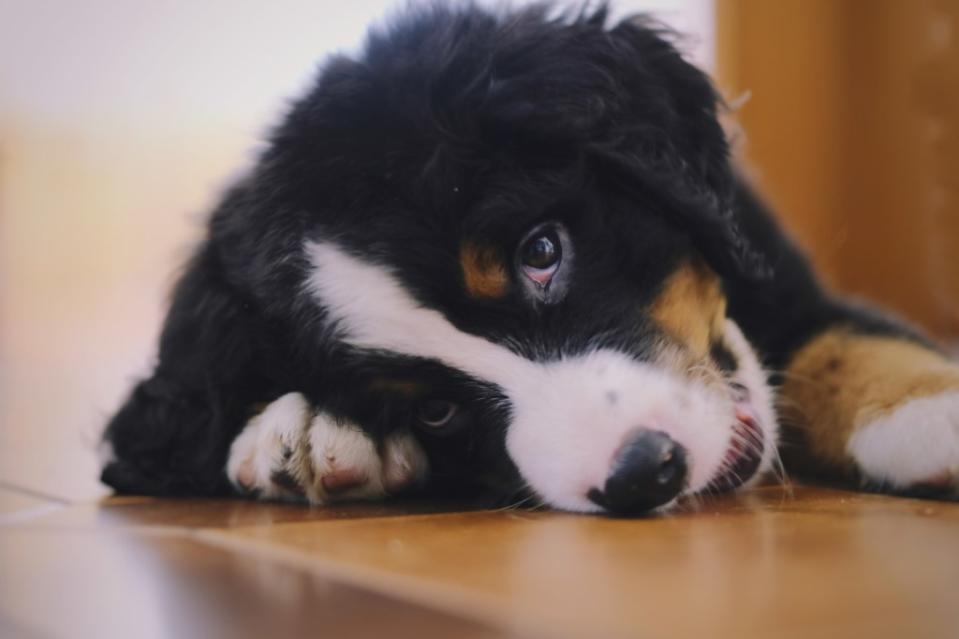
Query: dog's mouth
{"x": 745, "y": 452}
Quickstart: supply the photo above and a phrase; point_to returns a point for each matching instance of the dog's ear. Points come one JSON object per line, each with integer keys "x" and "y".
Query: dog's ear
{"x": 695, "y": 183}
{"x": 662, "y": 74}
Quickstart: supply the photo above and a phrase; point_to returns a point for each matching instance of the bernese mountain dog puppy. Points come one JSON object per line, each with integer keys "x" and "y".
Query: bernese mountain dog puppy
{"x": 505, "y": 254}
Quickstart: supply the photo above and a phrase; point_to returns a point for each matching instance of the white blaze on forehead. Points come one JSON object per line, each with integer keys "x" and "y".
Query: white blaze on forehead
{"x": 569, "y": 415}
{"x": 374, "y": 311}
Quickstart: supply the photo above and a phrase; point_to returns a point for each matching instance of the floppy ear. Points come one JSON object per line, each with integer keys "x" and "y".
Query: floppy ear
{"x": 686, "y": 93}
{"x": 696, "y": 150}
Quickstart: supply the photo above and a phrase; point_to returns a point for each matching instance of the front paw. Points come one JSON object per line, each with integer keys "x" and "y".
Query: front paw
{"x": 291, "y": 451}
{"x": 912, "y": 449}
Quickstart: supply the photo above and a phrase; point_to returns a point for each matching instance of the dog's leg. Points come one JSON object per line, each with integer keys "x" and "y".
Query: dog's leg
{"x": 885, "y": 407}
{"x": 187, "y": 430}
{"x": 292, "y": 451}
{"x": 862, "y": 395}
{"x": 172, "y": 434}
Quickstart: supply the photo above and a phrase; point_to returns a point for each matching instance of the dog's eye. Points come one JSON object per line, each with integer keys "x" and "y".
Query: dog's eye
{"x": 436, "y": 413}
{"x": 544, "y": 262}
{"x": 541, "y": 256}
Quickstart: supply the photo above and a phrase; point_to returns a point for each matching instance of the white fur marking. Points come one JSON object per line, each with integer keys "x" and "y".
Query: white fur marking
{"x": 565, "y": 432}
{"x": 404, "y": 462}
{"x": 319, "y": 446}
{"x": 374, "y": 311}
{"x": 564, "y": 429}
{"x": 750, "y": 373}
{"x": 258, "y": 451}
{"x": 916, "y": 443}
{"x": 340, "y": 446}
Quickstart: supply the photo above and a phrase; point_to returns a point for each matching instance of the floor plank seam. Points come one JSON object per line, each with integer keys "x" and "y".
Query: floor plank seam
{"x": 462, "y": 602}
{"x": 30, "y": 492}
{"x": 23, "y": 516}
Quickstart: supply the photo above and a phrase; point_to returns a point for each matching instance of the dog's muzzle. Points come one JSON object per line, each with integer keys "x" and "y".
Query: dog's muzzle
{"x": 650, "y": 469}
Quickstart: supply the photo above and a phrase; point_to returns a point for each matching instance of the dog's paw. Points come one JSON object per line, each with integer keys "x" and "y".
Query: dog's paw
{"x": 913, "y": 448}
{"x": 292, "y": 452}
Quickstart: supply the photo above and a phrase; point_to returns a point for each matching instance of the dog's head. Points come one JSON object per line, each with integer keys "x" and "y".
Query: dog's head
{"x": 511, "y": 232}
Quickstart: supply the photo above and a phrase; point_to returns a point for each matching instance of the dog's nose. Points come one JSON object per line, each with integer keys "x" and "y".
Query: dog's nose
{"x": 648, "y": 470}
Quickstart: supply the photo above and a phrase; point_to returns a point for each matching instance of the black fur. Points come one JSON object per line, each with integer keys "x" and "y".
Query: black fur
{"x": 453, "y": 122}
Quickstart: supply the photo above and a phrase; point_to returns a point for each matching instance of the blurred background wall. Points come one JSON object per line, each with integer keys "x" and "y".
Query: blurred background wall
{"x": 852, "y": 129}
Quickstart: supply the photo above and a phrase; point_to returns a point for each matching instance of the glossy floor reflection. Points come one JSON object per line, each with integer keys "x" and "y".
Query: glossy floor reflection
{"x": 95, "y": 583}
{"x": 801, "y": 563}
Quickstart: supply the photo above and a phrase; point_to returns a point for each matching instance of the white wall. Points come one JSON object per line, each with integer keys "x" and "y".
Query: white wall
{"x": 221, "y": 63}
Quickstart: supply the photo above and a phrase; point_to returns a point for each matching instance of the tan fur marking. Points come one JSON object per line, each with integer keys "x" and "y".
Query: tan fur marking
{"x": 402, "y": 387}
{"x": 484, "y": 272}
{"x": 841, "y": 381}
{"x": 691, "y": 307}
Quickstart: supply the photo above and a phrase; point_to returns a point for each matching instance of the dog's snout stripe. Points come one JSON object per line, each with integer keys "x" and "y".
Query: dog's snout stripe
{"x": 374, "y": 311}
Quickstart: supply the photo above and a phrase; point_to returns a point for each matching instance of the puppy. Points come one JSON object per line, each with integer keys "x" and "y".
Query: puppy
{"x": 505, "y": 254}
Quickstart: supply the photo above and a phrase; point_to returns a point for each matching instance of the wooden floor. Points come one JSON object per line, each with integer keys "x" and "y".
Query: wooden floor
{"x": 93, "y": 224}
{"x": 813, "y": 563}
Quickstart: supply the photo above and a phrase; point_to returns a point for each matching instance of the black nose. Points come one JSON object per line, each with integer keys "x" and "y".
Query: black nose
{"x": 649, "y": 470}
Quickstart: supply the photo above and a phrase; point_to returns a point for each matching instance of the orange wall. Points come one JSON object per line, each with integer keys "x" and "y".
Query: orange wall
{"x": 852, "y": 130}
